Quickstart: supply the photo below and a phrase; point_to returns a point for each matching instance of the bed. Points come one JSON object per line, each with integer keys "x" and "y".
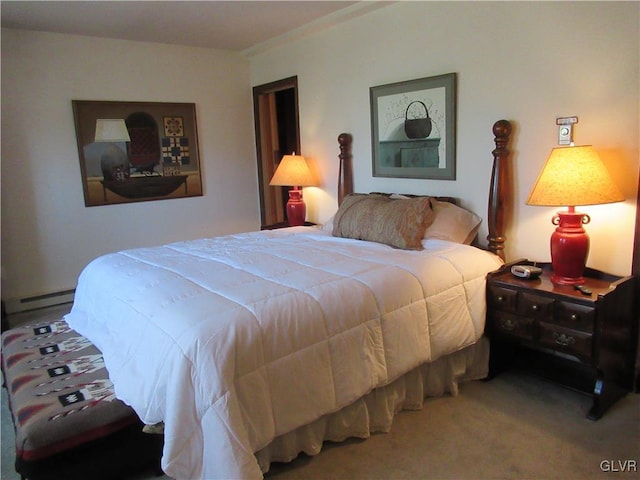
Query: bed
{"x": 255, "y": 347}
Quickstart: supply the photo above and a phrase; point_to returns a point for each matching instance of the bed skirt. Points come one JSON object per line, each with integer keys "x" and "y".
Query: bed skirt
{"x": 375, "y": 411}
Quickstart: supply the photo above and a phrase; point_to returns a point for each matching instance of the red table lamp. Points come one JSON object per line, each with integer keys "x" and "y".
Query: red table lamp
{"x": 572, "y": 176}
{"x": 293, "y": 171}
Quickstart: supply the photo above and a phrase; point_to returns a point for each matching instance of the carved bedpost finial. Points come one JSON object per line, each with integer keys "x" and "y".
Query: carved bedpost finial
{"x": 499, "y": 190}
{"x": 345, "y": 174}
{"x": 502, "y": 130}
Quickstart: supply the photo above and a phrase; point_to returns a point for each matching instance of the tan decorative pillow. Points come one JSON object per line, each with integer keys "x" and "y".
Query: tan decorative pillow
{"x": 399, "y": 223}
{"x": 452, "y": 223}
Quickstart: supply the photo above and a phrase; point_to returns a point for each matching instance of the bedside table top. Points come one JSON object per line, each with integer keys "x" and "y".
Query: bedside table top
{"x": 284, "y": 224}
{"x": 598, "y": 282}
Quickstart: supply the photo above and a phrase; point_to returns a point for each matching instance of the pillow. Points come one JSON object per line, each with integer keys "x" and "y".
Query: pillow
{"x": 328, "y": 225}
{"x": 452, "y": 223}
{"x": 376, "y": 218}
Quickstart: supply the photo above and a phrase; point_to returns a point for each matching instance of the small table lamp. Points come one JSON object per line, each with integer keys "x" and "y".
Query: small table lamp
{"x": 572, "y": 176}
{"x": 293, "y": 171}
{"x": 113, "y": 161}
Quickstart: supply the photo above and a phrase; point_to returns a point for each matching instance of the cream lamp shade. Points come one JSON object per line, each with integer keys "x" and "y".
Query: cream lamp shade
{"x": 111, "y": 130}
{"x": 293, "y": 171}
{"x": 574, "y": 176}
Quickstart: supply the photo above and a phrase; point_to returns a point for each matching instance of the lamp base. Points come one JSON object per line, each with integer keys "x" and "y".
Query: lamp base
{"x": 296, "y": 208}
{"x": 569, "y": 247}
{"x": 114, "y": 163}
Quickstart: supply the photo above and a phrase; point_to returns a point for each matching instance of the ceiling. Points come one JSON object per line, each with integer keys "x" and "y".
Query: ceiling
{"x": 229, "y": 25}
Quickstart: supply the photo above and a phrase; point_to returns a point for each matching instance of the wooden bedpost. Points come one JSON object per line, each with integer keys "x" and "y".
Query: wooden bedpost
{"x": 345, "y": 175}
{"x": 499, "y": 191}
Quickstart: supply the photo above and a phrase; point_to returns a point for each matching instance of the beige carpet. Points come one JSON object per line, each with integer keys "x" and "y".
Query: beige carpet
{"x": 513, "y": 427}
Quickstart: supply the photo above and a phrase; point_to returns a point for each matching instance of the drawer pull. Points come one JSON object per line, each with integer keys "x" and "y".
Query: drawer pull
{"x": 509, "y": 324}
{"x": 574, "y": 317}
{"x": 534, "y": 308}
{"x": 500, "y": 298}
{"x": 563, "y": 339}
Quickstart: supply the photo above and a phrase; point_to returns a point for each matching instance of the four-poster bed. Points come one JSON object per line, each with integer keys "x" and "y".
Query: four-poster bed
{"x": 253, "y": 348}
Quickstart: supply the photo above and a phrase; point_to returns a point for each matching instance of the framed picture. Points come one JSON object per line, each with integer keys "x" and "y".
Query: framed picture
{"x": 137, "y": 151}
{"x": 413, "y": 128}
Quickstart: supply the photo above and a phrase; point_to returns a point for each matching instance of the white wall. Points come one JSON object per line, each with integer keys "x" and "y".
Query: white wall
{"x": 48, "y": 235}
{"x": 525, "y": 62}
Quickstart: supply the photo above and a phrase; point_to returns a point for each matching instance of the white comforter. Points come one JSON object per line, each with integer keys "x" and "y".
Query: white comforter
{"x": 235, "y": 340}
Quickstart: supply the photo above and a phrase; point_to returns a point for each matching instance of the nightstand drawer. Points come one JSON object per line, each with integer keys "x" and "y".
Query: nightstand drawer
{"x": 535, "y": 306}
{"x": 512, "y": 325}
{"x": 580, "y": 317}
{"x": 566, "y": 340}
{"x": 503, "y": 299}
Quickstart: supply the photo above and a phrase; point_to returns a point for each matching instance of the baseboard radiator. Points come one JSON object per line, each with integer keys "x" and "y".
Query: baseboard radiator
{"x": 16, "y": 305}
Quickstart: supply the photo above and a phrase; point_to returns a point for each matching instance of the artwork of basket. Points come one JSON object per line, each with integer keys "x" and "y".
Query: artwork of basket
{"x": 419, "y": 127}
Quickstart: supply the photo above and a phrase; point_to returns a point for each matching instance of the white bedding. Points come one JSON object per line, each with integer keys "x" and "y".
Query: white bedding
{"x": 236, "y": 340}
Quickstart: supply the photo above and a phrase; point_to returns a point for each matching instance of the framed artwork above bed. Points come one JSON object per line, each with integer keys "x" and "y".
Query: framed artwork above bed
{"x": 413, "y": 128}
{"x": 137, "y": 151}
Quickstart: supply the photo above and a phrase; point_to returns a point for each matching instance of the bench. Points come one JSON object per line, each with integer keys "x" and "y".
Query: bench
{"x": 67, "y": 421}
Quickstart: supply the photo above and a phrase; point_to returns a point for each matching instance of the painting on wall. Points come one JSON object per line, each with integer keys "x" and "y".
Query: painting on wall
{"x": 137, "y": 151}
{"x": 413, "y": 128}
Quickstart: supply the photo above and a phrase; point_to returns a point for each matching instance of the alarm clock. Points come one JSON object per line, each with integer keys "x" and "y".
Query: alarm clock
{"x": 526, "y": 271}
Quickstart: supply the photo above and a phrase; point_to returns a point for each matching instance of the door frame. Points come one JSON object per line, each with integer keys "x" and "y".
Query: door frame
{"x": 260, "y": 130}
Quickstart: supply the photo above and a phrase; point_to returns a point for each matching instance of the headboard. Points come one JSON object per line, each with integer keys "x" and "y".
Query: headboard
{"x": 499, "y": 190}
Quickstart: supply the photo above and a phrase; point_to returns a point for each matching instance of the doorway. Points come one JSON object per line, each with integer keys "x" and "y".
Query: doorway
{"x": 275, "y": 109}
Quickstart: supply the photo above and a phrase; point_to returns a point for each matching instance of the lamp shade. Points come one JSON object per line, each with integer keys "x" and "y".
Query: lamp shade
{"x": 574, "y": 176}
{"x": 293, "y": 171}
{"x": 111, "y": 130}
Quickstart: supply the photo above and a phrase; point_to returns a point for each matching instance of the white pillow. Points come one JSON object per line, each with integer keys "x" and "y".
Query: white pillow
{"x": 328, "y": 226}
{"x": 452, "y": 223}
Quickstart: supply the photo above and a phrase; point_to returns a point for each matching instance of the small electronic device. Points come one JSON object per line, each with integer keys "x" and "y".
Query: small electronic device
{"x": 526, "y": 271}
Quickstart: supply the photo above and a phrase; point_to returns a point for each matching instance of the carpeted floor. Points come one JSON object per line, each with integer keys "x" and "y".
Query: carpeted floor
{"x": 513, "y": 427}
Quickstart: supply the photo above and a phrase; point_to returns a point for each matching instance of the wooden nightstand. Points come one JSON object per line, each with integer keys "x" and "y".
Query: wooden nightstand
{"x": 586, "y": 342}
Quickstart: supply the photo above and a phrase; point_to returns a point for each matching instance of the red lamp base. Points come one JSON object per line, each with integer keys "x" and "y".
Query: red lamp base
{"x": 296, "y": 208}
{"x": 569, "y": 247}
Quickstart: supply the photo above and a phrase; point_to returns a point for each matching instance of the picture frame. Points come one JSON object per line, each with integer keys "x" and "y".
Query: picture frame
{"x": 137, "y": 151}
{"x": 413, "y": 128}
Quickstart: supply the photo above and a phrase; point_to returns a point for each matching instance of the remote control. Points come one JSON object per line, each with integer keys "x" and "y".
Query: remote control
{"x": 582, "y": 289}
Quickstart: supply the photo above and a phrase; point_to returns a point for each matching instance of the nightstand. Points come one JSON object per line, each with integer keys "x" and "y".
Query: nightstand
{"x": 586, "y": 342}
